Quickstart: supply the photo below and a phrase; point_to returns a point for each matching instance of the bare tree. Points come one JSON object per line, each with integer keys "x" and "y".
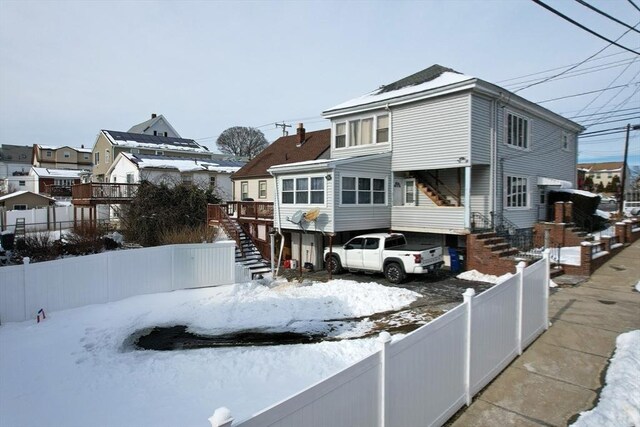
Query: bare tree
{"x": 242, "y": 141}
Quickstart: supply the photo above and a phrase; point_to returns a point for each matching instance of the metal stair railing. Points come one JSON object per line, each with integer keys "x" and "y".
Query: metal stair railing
{"x": 218, "y": 214}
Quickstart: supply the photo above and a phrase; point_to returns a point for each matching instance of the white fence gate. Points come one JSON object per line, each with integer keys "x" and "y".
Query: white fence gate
{"x": 112, "y": 276}
{"x": 427, "y": 376}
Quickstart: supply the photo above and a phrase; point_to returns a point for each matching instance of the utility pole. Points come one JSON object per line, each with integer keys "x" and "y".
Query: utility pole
{"x": 284, "y": 127}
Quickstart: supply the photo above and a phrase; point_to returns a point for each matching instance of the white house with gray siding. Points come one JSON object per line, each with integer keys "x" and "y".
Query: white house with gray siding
{"x": 450, "y": 150}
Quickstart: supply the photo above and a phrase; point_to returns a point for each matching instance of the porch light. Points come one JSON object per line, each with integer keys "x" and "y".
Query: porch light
{"x": 328, "y": 177}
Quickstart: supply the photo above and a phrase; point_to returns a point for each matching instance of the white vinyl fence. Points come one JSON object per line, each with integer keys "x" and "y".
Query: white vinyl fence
{"x": 112, "y": 276}
{"x": 427, "y": 376}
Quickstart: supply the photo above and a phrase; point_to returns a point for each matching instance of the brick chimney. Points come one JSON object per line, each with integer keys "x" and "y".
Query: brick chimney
{"x": 154, "y": 115}
{"x": 301, "y": 134}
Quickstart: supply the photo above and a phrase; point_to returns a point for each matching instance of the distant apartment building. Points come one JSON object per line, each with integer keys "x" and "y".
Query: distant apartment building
{"x": 65, "y": 157}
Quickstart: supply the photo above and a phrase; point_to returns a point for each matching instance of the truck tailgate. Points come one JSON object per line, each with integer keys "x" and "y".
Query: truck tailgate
{"x": 431, "y": 255}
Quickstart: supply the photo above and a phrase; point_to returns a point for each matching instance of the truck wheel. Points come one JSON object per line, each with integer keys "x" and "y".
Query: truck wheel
{"x": 333, "y": 264}
{"x": 394, "y": 272}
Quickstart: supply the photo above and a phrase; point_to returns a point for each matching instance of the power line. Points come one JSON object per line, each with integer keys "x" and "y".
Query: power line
{"x": 565, "y": 66}
{"x": 595, "y": 9}
{"x": 604, "y": 112}
{"x": 621, "y": 104}
{"x": 566, "y": 18}
{"x": 634, "y": 5}
{"x": 613, "y": 121}
{"x": 569, "y": 75}
{"x": 583, "y": 93}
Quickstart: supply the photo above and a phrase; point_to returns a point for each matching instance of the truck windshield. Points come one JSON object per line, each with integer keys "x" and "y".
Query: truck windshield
{"x": 394, "y": 241}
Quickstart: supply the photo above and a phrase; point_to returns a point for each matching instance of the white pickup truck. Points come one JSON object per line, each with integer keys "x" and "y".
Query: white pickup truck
{"x": 384, "y": 252}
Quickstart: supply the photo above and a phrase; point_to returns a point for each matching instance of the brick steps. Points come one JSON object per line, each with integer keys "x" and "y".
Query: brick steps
{"x": 490, "y": 254}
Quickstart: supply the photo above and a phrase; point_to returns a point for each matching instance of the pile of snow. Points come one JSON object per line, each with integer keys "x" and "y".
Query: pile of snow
{"x": 619, "y": 403}
{"x": 77, "y": 367}
{"x": 552, "y": 284}
{"x": 638, "y": 286}
{"x": 116, "y": 237}
{"x": 476, "y": 276}
{"x": 603, "y": 214}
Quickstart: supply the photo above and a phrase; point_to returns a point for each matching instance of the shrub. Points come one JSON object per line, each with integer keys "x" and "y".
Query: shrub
{"x": 181, "y": 235}
{"x": 37, "y": 246}
{"x": 84, "y": 240}
{"x": 157, "y": 209}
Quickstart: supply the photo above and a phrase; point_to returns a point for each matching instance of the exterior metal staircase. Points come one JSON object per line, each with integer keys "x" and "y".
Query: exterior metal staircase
{"x": 247, "y": 254}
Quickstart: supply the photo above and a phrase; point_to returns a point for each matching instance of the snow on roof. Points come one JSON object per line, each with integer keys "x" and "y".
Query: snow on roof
{"x": 135, "y": 140}
{"x": 554, "y": 182}
{"x": 183, "y": 164}
{"x": 445, "y": 79}
{"x": 58, "y": 173}
{"x": 573, "y": 191}
{"x": 18, "y": 193}
{"x": 53, "y": 147}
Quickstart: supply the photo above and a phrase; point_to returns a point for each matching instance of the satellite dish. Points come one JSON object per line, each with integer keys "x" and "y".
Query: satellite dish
{"x": 312, "y": 215}
{"x": 296, "y": 218}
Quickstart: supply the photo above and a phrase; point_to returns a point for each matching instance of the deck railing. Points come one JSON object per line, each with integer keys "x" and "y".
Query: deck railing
{"x": 217, "y": 215}
{"x": 104, "y": 191}
{"x": 250, "y": 210}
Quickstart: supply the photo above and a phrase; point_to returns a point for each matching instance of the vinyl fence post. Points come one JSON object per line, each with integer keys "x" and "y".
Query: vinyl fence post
{"x": 547, "y": 281}
{"x": 25, "y": 266}
{"x": 468, "y": 297}
{"x": 384, "y": 339}
{"x": 520, "y": 273}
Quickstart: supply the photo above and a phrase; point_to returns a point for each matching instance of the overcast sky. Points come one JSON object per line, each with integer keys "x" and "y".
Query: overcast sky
{"x": 69, "y": 69}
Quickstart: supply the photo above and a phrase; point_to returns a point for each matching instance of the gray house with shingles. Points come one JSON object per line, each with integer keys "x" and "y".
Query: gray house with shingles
{"x": 430, "y": 155}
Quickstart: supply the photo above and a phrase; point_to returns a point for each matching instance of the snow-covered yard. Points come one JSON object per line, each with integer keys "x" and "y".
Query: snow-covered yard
{"x": 77, "y": 368}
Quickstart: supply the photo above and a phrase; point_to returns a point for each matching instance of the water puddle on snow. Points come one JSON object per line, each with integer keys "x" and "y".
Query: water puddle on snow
{"x": 178, "y": 338}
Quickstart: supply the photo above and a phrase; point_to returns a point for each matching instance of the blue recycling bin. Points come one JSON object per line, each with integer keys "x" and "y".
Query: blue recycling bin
{"x": 455, "y": 260}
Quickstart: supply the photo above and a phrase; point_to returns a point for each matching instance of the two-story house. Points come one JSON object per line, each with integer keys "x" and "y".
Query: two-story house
{"x": 46, "y": 156}
{"x": 15, "y": 162}
{"x": 433, "y": 155}
{"x": 253, "y": 181}
{"x": 111, "y": 143}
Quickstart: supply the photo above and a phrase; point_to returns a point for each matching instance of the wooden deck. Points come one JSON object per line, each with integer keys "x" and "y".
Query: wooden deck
{"x": 102, "y": 193}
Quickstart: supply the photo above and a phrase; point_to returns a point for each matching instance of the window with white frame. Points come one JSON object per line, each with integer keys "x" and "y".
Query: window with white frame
{"x": 19, "y": 207}
{"x": 341, "y": 135}
{"x": 66, "y": 154}
{"x": 409, "y": 192}
{"x": 362, "y": 131}
{"x": 363, "y": 191}
{"x": 518, "y": 132}
{"x": 516, "y": 192}
{"x": 48, "y": 153}
{"x": 262, "y": 189}
{"x": 382, "y": 129}
{"x": 107, "y": 156}
{"x": 303, "y": 191}
{"x": 22, "y": 183}
{"x": 63, "y": 182}
{"x": 244, "y": 190}
{"x": 212, "y": 182}
{"x": 96, "y": 158}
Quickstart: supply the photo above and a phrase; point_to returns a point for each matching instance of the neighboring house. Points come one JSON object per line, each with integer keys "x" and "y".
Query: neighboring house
{"x": 253, "y": 181}
{"x": 157, "y": 125}
{"x": 24, "y": 200}
{"x": 111, "y": 143}
{"x": 436, "y": 155}
{"x": 213, "y": 174}
{"x": 45, "y": 156}
{"x": 15, "y": 161}
{"x": 56, "y": 182}
{"x": 604, "y": 173}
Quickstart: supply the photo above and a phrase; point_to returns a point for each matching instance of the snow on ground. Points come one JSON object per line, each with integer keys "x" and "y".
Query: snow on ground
{"x": 475, "y": 275}
{"x": 638, "y": 286}
{"x": 619, "y": 403}
{"x": 77, "y": 367}
{"x": 569, "y": 255}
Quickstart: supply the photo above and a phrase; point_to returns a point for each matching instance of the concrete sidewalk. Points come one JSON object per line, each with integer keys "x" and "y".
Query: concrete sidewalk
{"x": 561, "y": 373}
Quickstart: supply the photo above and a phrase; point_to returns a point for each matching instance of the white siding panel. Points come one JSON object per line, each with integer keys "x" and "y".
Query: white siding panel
{"x": 480, "y": 130}
{"x": 480, "y": 189}
{"x": 363, "y": 217}
{"x": 431, "y": 134}
{"x": 428, "y": 218}
{"x": 546, "y": 158}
